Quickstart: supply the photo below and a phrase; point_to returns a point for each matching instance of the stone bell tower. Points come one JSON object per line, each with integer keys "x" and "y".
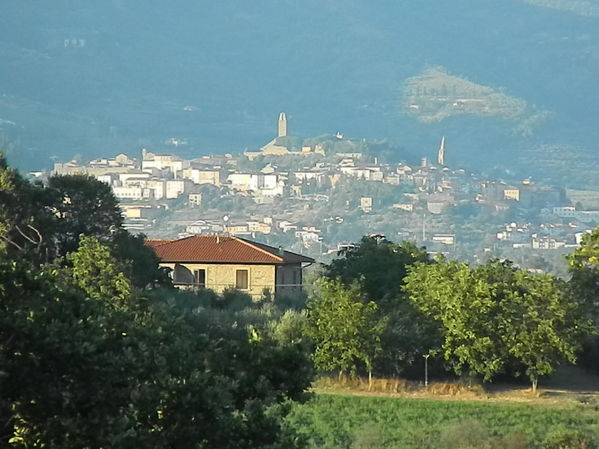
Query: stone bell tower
{"x": 282, "y": 125}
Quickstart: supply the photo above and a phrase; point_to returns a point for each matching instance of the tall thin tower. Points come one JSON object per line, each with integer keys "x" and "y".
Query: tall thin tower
{"x": 282, "y": 125}
{"x": 441, "y": 153}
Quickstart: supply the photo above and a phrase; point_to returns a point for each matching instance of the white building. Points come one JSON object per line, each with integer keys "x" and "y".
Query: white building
{"x": 175, "y": 188}
{"x": 267, "y": 185}
{"x": 128, "y": 192}
{"x": 198, "y": 176}
{"x": 169, "y": 162}
{"x": 239, "y": 181}
{"x": 262, "y": 184}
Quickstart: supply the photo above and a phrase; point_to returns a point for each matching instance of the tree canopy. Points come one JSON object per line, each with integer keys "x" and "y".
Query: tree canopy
{"x": 90, "y": 357}
{"x": 495, "y": 315}
{"x": 24, "y": 215}
{"x": 583, "y": 264}
{"x": 345, "y": 327}
{"x": 83, "y": 206}
{"x": 87, "y": 363}
{"x": 378, "y": 264}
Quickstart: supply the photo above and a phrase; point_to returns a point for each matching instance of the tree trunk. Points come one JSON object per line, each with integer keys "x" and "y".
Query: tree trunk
{"x": 534, "y": 380}
{"x": 369, "y": 379}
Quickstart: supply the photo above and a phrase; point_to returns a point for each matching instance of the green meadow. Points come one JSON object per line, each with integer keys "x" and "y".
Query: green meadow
{"x": 339, "y": 421}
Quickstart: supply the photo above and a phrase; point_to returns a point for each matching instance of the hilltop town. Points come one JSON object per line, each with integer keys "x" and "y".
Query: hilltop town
{"x": 317, "y": 195}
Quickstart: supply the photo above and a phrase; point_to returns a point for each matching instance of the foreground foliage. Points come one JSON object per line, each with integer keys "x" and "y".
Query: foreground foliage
{"x": 94, "y": 355}
{"x": 87, "y": 364}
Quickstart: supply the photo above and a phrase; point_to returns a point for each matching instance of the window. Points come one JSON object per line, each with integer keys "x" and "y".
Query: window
{"x": 241, "y": 279}
{"x": 199, "y": 278}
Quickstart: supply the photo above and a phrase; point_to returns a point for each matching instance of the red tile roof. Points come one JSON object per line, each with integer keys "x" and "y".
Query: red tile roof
{"x": 222, "y": 249}
{"x": 153, "y": 243}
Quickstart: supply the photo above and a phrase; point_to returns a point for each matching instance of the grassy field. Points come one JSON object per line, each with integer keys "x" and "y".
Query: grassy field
{"x": 354, "y": 421}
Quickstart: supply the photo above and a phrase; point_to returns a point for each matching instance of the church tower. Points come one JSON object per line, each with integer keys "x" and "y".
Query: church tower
{"x": 282, "y": 125}
{"x": 441, "y": 154}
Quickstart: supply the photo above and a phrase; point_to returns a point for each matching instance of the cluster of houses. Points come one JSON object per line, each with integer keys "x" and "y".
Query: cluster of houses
{"x": 542, "y": 236}
{"x": 148, "y": 186}
{"x": 144, "y": 185}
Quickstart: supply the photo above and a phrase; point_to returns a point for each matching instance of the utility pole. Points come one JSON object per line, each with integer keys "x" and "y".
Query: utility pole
{"x": 426, "y": 356}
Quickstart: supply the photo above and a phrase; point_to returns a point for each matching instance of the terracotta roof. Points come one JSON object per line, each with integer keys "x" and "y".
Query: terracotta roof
{"x": 153, "y": 243}
{"x": 223, "y": 249}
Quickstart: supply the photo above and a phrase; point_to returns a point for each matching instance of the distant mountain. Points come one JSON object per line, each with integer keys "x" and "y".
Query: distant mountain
{"x": 97, "y": 78}
{"x": 581, "y": 7}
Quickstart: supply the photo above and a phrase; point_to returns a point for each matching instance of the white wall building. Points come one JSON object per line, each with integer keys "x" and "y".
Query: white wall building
{"x": 198, "y": 176}
{"x": 163, "y": 162}
{"x": 128, "y": 193}
{"x": 175, "y": 188}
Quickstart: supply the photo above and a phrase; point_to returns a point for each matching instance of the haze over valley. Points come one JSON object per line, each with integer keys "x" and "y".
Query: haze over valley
{"x": 508, "y": 78}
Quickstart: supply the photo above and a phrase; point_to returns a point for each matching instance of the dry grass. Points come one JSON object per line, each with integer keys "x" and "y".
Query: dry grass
{"x": 569, "y": 386}
{"x": 400, "y": 387}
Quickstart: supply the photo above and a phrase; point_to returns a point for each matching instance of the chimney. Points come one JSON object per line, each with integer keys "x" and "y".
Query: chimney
{"x": 281, "y": 251}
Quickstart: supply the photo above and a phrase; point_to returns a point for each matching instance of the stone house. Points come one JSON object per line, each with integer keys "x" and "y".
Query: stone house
{"x": 221, "y": 262}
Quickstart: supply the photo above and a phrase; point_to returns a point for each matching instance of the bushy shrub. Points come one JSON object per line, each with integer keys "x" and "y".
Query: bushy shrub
{"x": 570, "y": 439}
{"x": 468, "y": 434}
{"x": 233, "y": 299}
{"x": 188, "y": 299}
{"x": 368, "y": 436}
{"x": 292, "y": 300}
{"x": 471, "y": 434}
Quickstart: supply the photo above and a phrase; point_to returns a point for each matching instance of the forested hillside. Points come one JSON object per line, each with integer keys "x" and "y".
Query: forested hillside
{"x": 96, "y": 78}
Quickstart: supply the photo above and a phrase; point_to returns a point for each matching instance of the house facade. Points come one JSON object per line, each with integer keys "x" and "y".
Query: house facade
{"x": 222, "y": 262}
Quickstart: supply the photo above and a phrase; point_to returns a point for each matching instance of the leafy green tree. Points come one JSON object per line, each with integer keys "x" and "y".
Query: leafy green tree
{"x": 83, "y": 206}
{"x": 378, "y": 264}
{"x": 138, "y": 261}
{"x": 541, "y": 327}
{"x": 495, "y": 317}
{"x": 83, "y": 360}
{"x": 66, "y": 376}
{"x": 583, "y": 264}
{"x": 408, "y": 336}
{"x": 40, "y": 223}
{"x": 95, "y": 271}
{"x": 345, "y": 327}
{"x": 467, "y": 312}
{"x": 25, "y": 221}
